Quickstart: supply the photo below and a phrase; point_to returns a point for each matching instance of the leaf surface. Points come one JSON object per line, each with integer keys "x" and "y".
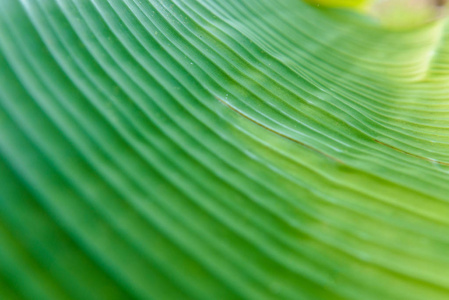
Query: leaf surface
{"x": 211, "y": 149}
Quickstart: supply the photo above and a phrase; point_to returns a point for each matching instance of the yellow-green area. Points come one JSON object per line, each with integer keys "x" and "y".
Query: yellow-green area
{"x": 352, "y": 4}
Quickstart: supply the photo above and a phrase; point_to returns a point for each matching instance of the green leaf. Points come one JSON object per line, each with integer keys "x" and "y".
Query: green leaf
{"x": 204, "y": 149}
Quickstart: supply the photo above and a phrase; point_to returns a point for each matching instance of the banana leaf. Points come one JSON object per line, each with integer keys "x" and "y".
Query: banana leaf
{"x": 205, "y": 149}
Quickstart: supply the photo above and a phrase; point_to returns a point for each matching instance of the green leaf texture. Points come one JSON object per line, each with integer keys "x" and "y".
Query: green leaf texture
{"x": 221, "y": 149}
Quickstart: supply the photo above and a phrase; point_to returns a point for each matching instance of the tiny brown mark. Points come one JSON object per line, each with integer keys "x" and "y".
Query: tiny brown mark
{"x": 411, "y": 154}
